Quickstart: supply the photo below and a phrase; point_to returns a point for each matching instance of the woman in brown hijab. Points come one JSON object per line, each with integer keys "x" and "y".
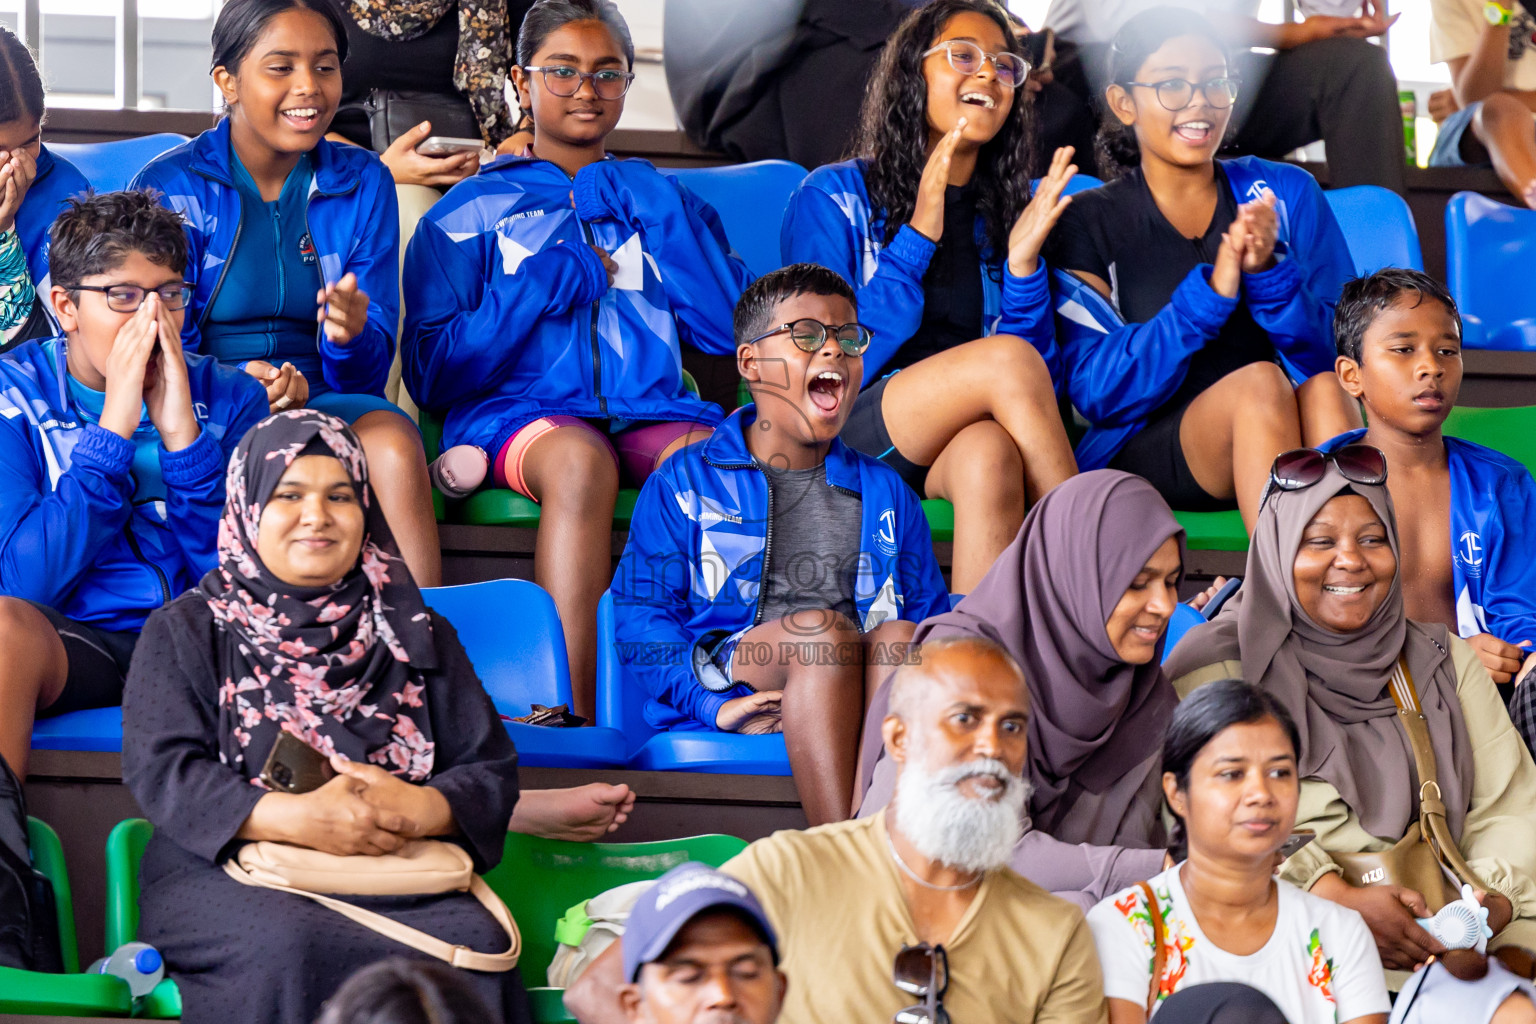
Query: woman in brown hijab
{"x": 1081, "y": 599}
{"x": 1319, "y": 623}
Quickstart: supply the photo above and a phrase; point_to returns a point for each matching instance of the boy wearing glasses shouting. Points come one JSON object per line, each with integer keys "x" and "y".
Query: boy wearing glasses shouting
{"x": 773, "y": 573}
{"x": 113, "y": 445}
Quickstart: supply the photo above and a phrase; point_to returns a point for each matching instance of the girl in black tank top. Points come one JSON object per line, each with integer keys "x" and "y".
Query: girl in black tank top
{"x": 1169, "y": 239}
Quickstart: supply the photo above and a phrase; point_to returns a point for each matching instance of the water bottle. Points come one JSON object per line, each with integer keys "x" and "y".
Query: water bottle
{"x": 137, "y": 963}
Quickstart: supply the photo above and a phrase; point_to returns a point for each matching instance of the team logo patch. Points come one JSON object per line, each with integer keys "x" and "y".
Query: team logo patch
{"x": 1469, "y": 552}
{"x": 307, "y": 249}
{"x": 885, "y": 537}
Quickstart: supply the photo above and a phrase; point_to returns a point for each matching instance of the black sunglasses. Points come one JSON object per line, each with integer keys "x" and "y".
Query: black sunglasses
{"x": 810, "y": 334}
{"x": 1301, "y": 468}
{"x": 922, "y": 971}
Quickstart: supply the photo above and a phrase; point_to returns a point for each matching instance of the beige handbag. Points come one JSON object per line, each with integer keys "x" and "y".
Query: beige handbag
{"x": 421, "y": 867}
{"x": 1427, "y": 858}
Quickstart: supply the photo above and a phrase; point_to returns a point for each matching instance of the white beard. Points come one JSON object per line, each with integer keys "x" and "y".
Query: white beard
{"x": 959, "y": 831}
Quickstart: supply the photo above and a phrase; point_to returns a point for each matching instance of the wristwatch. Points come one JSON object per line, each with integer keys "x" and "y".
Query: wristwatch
{"x": 1496, "y": 14}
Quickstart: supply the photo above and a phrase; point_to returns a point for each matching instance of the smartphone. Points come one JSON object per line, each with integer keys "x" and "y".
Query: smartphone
{"x": 1220, "y": 597}
{"x": 1296, "y": 842}
{"x": 296, "y": 767}
{"x": 444, "y": 145}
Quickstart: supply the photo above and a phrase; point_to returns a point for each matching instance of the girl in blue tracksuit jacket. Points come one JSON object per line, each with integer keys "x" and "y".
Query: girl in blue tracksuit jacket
{"x": 934, "y": 227}
{"x": 295, "y": 246}
{"x": 546, "y": 299}
{"x": 33, "y": 186}
{"x": 1194, "y": 294}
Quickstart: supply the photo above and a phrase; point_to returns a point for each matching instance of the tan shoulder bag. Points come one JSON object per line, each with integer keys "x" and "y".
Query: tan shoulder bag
{"x": 1427, "y": 858}
{"x": 421, "y": 867}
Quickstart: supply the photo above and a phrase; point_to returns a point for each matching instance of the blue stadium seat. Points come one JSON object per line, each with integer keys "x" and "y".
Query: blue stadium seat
{"x": 619, "y": 700}
{"x": 750, "y": 199}
{"x": 1489, "y": 251}
{"x": 110, "y": 166}
{"x": 1378, "y": 227}
{"x": 1078, "y": 183}
{"x": 512, "y": 633}
{"x": 93, "y": 729}
{"x": 1183, "y": 619}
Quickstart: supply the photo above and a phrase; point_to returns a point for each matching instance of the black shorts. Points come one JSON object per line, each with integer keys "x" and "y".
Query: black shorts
{"x": 1156, "y": 454}
{"x": 865, "y": 432}
{"x": 98, "y": 664}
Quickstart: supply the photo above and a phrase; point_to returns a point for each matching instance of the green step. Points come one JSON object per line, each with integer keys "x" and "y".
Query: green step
{"x": 499, "y": 506}
{"x": 1213, "y": 531}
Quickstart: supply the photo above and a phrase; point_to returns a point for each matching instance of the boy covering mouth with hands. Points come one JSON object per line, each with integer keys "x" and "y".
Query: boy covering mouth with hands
{"x": 113, "y": 445}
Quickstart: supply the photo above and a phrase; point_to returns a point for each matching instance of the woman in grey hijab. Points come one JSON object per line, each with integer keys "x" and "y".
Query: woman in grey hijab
{"x": 1081, "y": 599}
{"x": 1319, "y": 623}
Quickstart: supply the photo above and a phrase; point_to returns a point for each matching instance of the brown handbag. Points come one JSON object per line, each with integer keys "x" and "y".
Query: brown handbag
{"x": 420, "y": 867}
{"x": 1427, "y": 859}
{"x": 1159, "y": 948}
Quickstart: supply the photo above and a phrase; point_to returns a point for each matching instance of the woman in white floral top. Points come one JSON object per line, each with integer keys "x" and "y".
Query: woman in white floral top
{"x": 1229, "y": 776}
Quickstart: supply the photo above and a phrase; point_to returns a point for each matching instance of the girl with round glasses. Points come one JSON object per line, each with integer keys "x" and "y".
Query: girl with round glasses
{"x": 934, "y": 225}
{"x": 546, "y": 301}
{"x": 1195, "y": 295}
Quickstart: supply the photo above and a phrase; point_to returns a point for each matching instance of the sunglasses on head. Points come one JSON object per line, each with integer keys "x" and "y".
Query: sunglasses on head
{"x": 1301, "y": 468}
{"x": 922, "y": 971}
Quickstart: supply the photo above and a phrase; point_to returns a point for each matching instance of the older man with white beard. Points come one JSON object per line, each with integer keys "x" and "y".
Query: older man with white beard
{"x": 857, "y": 904}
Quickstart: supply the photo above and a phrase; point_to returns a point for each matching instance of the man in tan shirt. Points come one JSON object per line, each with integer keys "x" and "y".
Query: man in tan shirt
{"x": 846, "y": 899}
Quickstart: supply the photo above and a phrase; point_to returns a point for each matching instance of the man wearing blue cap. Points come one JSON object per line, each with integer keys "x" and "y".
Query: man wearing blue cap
{"x": 699, "y": 950}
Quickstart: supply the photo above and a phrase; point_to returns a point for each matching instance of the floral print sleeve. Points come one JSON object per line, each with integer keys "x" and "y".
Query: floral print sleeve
{"x": 16, "y": 291}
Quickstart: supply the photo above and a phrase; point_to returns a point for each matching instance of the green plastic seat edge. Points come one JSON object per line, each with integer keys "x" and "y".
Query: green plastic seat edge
{"x": 48, "y": 857}
{"x": 125, "y": 848}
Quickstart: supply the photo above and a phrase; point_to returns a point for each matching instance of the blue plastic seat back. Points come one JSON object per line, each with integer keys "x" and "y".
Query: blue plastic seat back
{"x": 619, "y": 700}
{"x": 512, "y": 633}
{"x": 1490, "y": 249}
{"x": 110, "y": 166}
{"x": 1183, "y": 619}
{"x": 750, "y": 199}
{"x": 1080, "y": 182}
{"x": 1378, "y": 226}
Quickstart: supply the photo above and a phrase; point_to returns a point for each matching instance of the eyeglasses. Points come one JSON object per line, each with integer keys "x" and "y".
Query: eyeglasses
{"x": 967, "y": 58}
{"x": 1301, "y": 468}
{"x": 922, "y": 971}
{"x": 1176, "y": 93}
{"x": 127, "y": 298}
{"x": 809, "y": 335}
{"x": 564, "y": 80}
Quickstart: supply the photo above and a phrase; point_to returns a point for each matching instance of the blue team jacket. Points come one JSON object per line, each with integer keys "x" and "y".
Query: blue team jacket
{"x": 1493, "y": 540}
{"x": 354, "y": 225}
{"x": 71, "y": 536}
{"x": 829, "y": 222}
{"x": 509, "y": 315}
{"x": 699, "y": 543}
{"x": 1119, "y": 373}
{"x": 57, "y": 180}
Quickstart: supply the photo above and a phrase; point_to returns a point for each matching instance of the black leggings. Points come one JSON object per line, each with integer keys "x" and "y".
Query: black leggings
{"x": 1222, "y": 1002}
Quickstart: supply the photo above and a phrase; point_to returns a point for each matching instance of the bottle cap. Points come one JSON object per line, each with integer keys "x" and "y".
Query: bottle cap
{"x": 147, "y": 961}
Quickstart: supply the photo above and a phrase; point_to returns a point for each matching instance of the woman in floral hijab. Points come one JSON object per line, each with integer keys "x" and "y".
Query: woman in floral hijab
{"x": 310, "y": 624}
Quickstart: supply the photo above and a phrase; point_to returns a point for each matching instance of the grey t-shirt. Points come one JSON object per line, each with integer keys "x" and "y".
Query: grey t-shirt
{"x": 815, "y": 544}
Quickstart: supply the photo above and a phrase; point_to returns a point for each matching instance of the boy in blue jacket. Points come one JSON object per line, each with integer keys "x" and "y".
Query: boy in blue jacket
{"x": 113, "y": 445}
{"x": 770, "y": 568}
{"x": 1463, "y": 510}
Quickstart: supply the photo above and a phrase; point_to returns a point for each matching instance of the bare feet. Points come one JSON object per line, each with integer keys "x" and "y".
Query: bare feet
{"x": 583, "y": 814}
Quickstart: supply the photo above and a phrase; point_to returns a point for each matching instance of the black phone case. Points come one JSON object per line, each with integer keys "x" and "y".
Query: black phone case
{"x": 294, "y": 766}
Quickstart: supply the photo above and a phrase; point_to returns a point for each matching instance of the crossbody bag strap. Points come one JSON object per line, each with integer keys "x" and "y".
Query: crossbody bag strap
{"x": 458, "y": 956}
{"x": 1432, "y": 824}
{"x": 1159, "y": 948}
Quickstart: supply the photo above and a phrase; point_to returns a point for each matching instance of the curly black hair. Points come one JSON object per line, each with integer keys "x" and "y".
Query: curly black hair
{"x": 893, "y": 128}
